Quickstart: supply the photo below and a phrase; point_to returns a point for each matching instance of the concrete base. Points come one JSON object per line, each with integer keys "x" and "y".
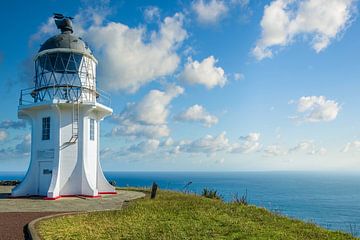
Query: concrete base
{"x": 65, "y": 204}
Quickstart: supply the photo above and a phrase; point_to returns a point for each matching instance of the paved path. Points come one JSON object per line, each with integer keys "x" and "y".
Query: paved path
{"x": 71, "y": 204}
{"x": 16, "y": 213}
{"x": 12, "y": 224}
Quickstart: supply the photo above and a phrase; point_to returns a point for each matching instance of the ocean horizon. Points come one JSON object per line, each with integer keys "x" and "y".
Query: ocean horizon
{"x": 329, "y": 199}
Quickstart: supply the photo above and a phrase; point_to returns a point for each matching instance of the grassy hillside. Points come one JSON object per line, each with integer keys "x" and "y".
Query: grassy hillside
{"x": 178, "y": 216}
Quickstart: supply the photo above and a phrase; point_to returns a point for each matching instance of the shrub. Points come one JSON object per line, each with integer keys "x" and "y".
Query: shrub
{"x": 113, "y": 182}
{"x": 9, "y": 182}
{"x": 241, "y": 200}
{"x": 209, "y": 193}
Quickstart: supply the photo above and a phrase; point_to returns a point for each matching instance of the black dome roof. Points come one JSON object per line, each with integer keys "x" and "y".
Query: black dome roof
{"x": 65, "y": 40}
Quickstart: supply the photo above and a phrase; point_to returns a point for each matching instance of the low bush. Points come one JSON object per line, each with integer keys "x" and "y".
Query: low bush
{"x": 241, "y": 200}
{"x": 209, "y": 193}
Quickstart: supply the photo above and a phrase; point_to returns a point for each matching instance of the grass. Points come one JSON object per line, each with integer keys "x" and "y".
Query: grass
{"x": 174, "y": 215}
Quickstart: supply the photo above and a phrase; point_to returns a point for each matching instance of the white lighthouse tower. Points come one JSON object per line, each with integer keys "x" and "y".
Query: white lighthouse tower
{"x": 65, "y": 109}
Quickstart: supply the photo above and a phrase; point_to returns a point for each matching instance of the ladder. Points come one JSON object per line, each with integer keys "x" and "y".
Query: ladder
{"x": 75, "y": 121}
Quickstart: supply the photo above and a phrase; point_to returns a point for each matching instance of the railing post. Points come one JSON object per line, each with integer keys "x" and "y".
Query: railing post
{"x": 154, "y": 188}
{"x": 21, "y": 94}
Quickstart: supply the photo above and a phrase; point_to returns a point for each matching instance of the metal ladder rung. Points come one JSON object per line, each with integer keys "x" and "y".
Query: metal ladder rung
{"x": 75, "y": 122}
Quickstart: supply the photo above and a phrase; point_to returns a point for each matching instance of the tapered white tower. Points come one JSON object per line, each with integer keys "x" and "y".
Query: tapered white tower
{"x": 65, "y": 109}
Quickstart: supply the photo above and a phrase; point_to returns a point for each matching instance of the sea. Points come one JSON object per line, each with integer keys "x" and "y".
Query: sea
{"x": 329, "y": 199}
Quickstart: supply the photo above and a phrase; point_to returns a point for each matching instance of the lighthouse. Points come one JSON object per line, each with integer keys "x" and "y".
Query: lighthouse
{"x": 65, "y": 109}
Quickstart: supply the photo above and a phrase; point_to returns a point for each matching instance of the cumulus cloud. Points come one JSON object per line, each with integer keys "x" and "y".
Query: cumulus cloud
{"x": 7, "y": 124}
{"x": 197, "y": 113}
{"x": 242, "y": 3}
{"x": 316, "y": 109}
{"x": 24, "y": 146}
{"x": 239, "y": 76}
{"x": 352, "y": 146}
{"x": 220, "y": 161}
{"x": 274, "y": 151}
{"x": 151, "y": 13}
{"x": 308, "y": 147}
{"x": 207, "y": 144}
{"x": 129, "y": 59}
{"x": 46, "y": 29}
{"x": 248, "y": 144}
{"x": 209, "y": 12}
{"x": 210, "y": 144}
{"x": 145, "y": 147}
{"x": 3, "y": 135}
{"x": 147, "y": 118}
{"x": 318, "y": 20}
{"x": 204, "y": 73}
{"x": 19, "y": 151}
{"x": 167, "y": 142}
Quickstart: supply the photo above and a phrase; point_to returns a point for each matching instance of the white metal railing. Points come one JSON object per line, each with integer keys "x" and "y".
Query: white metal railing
{"x": 30, "y": 96}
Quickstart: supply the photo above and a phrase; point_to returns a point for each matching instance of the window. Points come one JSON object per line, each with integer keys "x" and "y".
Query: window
{"x": 46, "y": 128}
{"x": 92, "y": 129}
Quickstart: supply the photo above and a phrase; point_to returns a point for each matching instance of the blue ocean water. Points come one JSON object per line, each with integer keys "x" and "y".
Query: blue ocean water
{"x": 331, "y": 200}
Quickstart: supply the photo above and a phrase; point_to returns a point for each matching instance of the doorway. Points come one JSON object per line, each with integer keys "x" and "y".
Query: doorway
{"x": 45, "y": 175}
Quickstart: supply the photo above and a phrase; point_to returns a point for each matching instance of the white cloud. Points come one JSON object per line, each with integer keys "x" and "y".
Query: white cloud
{"x": 145, "y": 147}
{"x": 152, "y": 13}
{"x": 168, "y": 142}
{"x": 242, "y": 3}
{"x": 197, "y": 113}
{"x": 207, "y": 144}
{"x": 45, "y": 30}
{"x": 204, "y": 73}
{"x": 3, "y": 135}
{"x": 308, "y": 147}
{"x": 251, "y": 137}
{"x": 316, "y": 109}
{"x": 147, "y": 118}
{"x": 320, "y": 20}
{"x": 176, "y": 150}
{"x": 352, "y": 146}
{"x": 105, "y": 152}
{"x": 7, "y": 124}
{"x": 220, "y": 161}
{"x": 248, "y": 144}
{"x": 129, "y": 59}
{"x": 274, "y": 151}
{"x": 239, "y": 76}
{"x": 209, "y": 12}
{"x": 24, "y": 146}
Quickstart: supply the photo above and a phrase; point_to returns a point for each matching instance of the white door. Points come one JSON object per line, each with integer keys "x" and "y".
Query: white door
{"x": 45, "y": 174}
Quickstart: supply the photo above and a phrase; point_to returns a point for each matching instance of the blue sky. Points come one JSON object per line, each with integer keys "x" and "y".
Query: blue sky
{"x": 203, "y": 85}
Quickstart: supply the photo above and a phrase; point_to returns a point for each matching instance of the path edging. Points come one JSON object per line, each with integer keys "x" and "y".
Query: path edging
{"x": 33, "y": 234}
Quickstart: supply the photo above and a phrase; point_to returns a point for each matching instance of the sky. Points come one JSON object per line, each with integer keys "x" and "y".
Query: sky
{"x": 202, "y": 85}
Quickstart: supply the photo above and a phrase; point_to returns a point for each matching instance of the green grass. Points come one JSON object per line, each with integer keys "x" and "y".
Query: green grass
{"x": 175, "y": 215}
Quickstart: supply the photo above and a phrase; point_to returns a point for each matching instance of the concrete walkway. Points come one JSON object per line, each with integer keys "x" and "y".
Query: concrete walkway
{"x": 71, "y": 204}
{"x": 16, "y": 213}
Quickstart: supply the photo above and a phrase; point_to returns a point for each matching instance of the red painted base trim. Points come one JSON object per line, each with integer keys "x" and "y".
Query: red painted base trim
{"x": 64, "y": 196}
{"x": 47, "y": 198}
{"x": 30, "y": 196}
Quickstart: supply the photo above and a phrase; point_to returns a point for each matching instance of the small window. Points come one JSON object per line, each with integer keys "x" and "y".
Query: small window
{"x": 47, "y": 171}
{"x": 46, "y": 128}
{"x": 92, "y": 129}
